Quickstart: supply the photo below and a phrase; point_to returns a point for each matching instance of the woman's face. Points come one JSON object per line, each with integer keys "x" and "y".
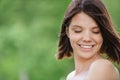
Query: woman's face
{"x": 85, "y": 36}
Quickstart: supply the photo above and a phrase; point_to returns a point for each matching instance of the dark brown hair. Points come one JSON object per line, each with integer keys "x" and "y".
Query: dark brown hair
{"x": 97, "y": 10}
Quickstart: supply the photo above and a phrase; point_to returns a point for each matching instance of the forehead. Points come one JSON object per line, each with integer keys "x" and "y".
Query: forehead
{"x": 82, "y": 19}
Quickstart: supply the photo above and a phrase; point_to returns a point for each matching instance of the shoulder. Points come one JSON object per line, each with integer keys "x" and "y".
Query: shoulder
{"x": 102, "y": 69}
{"x": 70, "y": 75}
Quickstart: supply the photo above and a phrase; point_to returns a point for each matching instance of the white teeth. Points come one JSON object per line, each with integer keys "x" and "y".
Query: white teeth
{"x": 86, "y": 46}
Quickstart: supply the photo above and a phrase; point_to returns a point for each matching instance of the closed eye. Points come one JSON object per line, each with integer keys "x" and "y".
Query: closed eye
{"x": 77, "y": 31}
{"x": 96, "y": 32}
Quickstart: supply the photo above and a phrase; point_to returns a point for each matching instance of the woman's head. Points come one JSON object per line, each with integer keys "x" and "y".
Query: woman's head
{"x": 97, "y": 11}
{"x": 85, "y": 36}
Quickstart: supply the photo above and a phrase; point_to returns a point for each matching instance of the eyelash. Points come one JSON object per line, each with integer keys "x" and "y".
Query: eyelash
{"x": 97, "y": 32}
{"x": 77, "y": 31}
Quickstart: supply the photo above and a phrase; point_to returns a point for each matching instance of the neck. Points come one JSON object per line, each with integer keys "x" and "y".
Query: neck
{"x": 82, "y": 65}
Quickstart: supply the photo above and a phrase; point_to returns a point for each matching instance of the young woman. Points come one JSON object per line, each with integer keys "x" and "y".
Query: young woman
{"x": 86, "y": 33}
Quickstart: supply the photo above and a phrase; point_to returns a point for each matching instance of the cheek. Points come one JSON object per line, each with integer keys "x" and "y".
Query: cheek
{"x": 99, "y": 40}
{"x": 73, "y": 39}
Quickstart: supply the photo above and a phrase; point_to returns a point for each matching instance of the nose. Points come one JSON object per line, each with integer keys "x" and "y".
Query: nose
{"x": 86, "y": 37}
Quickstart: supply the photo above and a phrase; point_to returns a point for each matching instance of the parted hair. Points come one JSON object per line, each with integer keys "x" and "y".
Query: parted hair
{"x": 96, "y": 10}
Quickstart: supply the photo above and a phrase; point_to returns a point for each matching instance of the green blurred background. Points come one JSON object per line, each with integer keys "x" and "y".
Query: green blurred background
{"x": 28, "y": 38}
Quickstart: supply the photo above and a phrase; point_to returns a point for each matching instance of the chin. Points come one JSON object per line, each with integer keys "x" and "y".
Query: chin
{"x": 87, "y": 55}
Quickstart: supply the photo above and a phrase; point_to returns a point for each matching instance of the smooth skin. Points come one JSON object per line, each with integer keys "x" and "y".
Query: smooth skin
{"x": 86, "y": 40}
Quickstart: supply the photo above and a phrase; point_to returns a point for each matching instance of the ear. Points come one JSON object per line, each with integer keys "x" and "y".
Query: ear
{"x": 67, "y": 31}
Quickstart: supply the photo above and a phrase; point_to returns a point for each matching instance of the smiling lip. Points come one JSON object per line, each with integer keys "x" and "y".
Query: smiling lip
{"x": 86, "y": 47}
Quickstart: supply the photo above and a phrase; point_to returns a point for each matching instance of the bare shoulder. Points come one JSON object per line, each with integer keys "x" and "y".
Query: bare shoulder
{"x": 102, "y": 69}
{"x": 70, "y": 75}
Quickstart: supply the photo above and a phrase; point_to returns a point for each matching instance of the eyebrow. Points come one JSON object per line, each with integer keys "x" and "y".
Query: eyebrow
{"x": 94, "y": 27}
{"x": 76, "y": 26}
